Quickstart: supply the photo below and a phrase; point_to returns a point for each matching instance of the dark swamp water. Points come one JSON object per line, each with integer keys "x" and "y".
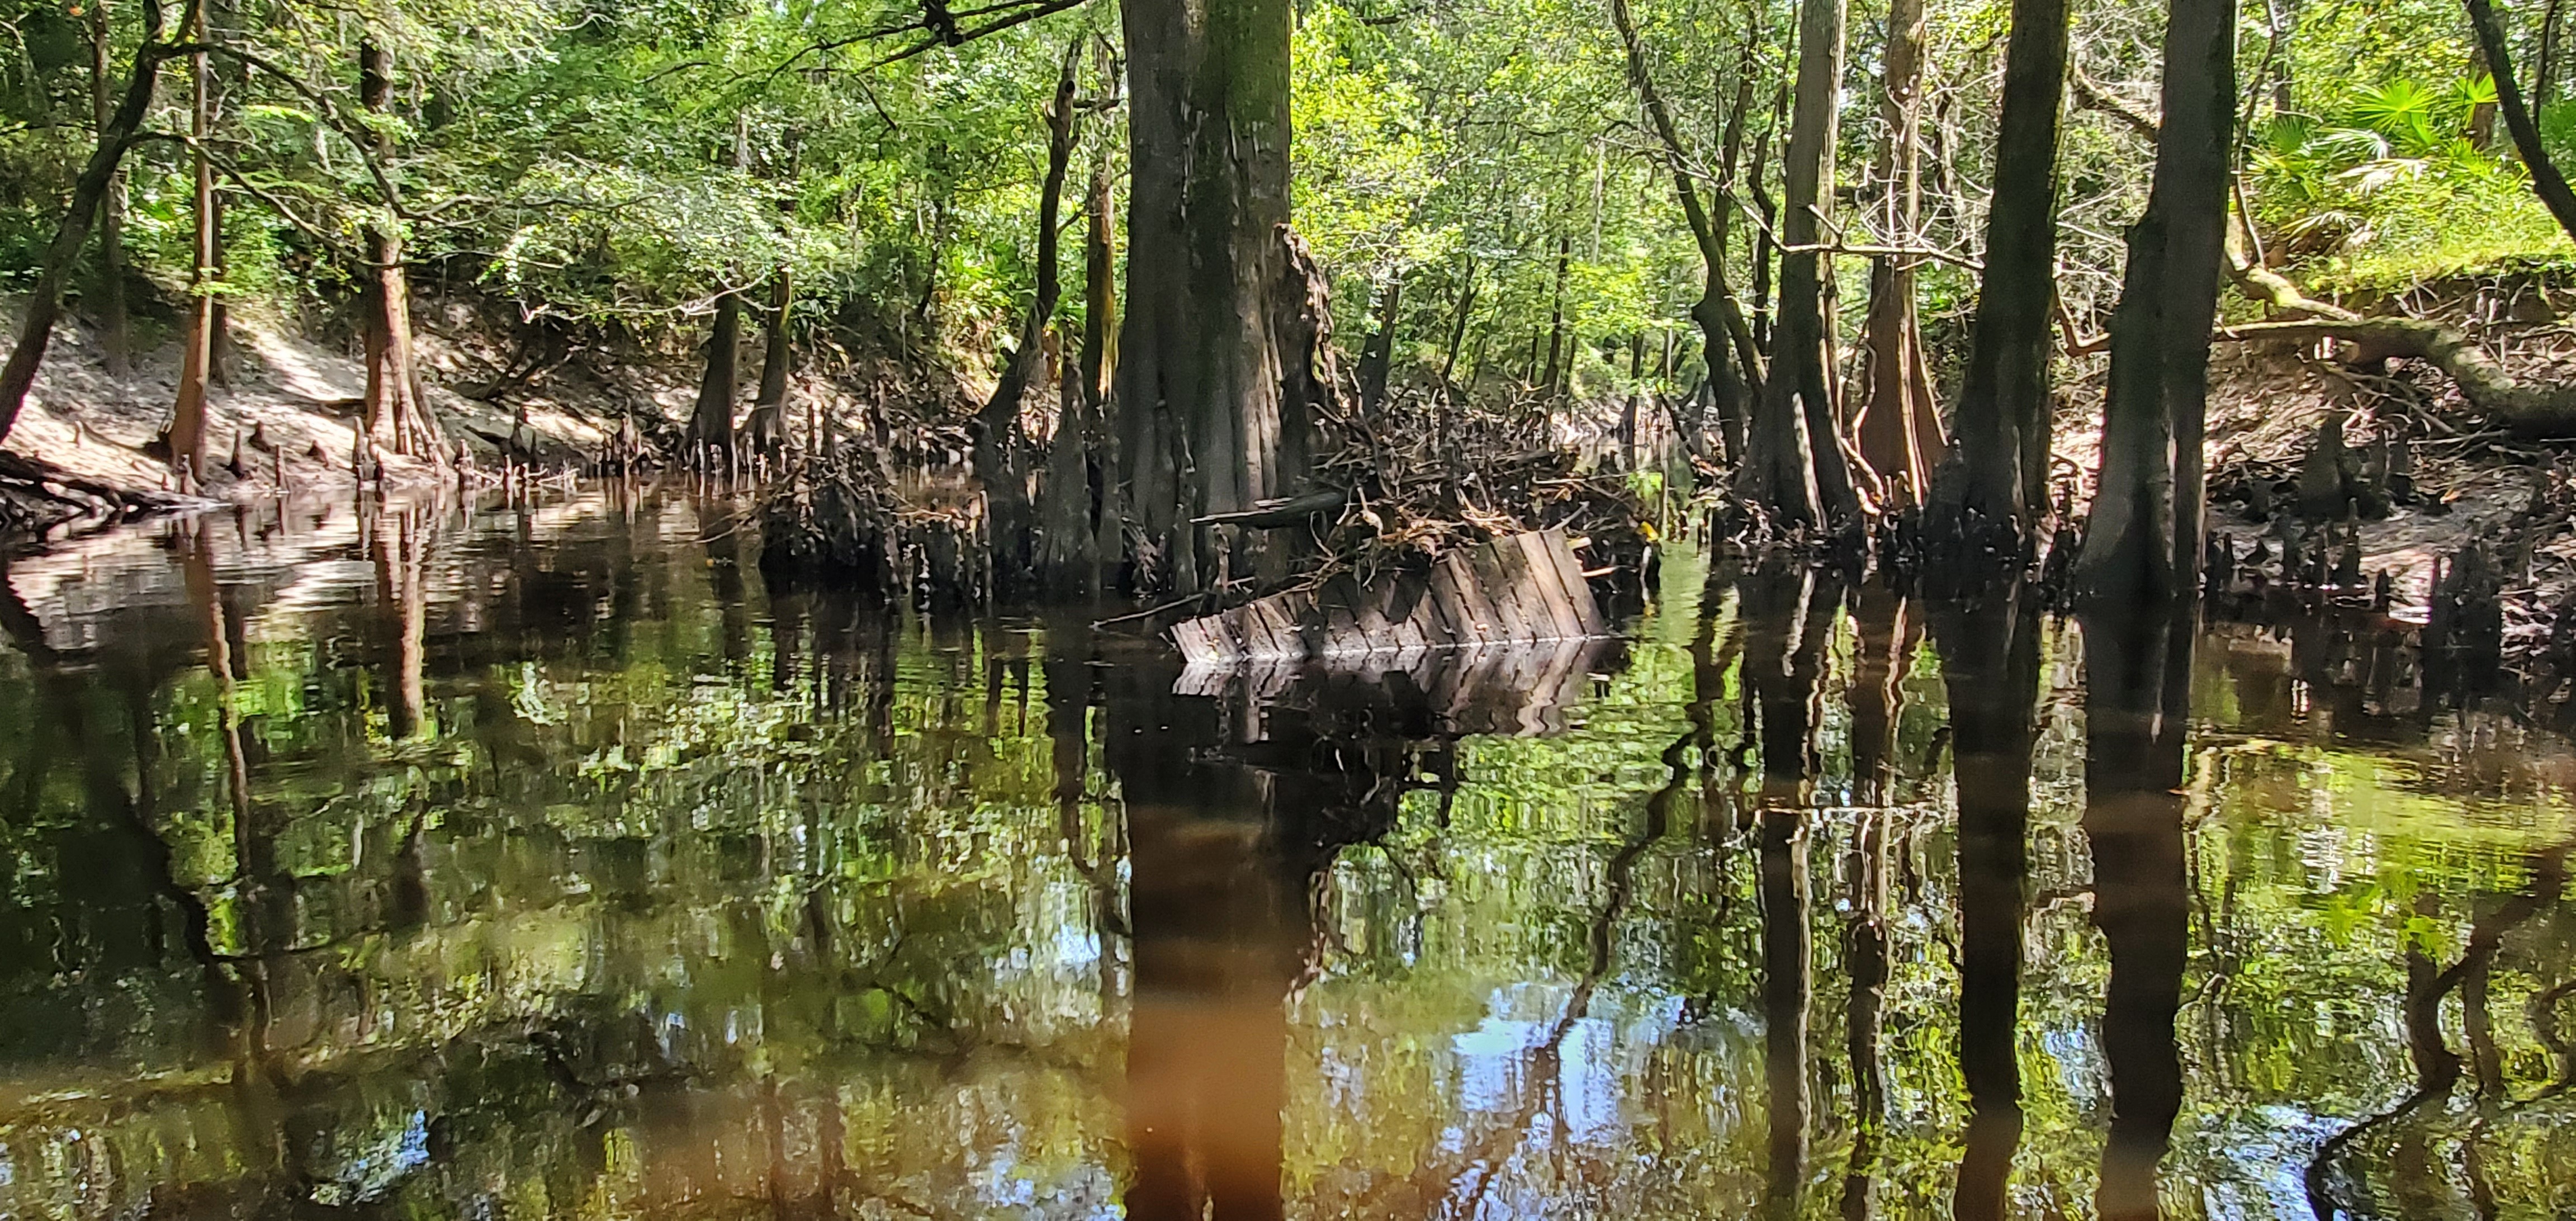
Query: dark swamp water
{"x": 516, "y": 863}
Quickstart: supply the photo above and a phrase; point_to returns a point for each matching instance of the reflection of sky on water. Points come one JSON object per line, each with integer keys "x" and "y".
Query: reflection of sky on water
{"x": 1597, "y": 1061}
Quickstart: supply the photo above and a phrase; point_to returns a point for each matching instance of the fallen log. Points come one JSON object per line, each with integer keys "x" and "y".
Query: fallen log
{"x": 1519, "y": 589}
{"x": 2528, "y": 410}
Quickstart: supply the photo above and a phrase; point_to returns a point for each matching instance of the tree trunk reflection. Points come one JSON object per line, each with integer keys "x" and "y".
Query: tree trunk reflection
{"x": 2137, "y": 671}
{"x": 1990, "y": 662}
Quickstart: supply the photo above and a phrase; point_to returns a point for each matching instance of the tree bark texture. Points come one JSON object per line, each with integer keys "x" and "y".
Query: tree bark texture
{"x": 1099, "y": 288}
{"x": 1204, "y": 424}
{"x": 396, "y": 413}
{"x": 1996, "y": 476}
{"x": 768, "y": 423}
{"x": 2143, "y": 542}
{"x": 1795, "y": 466}
{"x": 711, "y": 421}
{"x": 1900, "y": 428}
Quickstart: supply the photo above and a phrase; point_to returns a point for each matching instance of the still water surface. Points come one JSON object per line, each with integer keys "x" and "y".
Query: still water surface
{"x": 424, "y": 861}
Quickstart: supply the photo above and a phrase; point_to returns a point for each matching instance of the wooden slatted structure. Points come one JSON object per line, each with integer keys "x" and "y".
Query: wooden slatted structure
{"x": 1519, "y": 589}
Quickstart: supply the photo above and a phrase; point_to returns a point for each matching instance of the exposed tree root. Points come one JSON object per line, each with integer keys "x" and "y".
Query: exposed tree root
{"x": 36, "y": 494}
{"x": 2528, "y": 410}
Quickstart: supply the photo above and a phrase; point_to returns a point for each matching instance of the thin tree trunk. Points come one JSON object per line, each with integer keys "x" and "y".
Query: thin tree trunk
{"x": 185, "y": 439}
{"x": 2546, "y": 180}
{"x": 1795, "y": 466}
{"x": 114, "y": 331}
{"x": 2143, "y": 542}
{"x": 1996, "y": 476}
{"x": 999, "y": 461}
{"x": 2544, "y": 85}
{"x": 768, "y": 424}
{"x": 1377, "y": 356}
{"x": 1552, "y": 382}
{"x": 1458, "y": 325}
{"x": 1099, "y": 367}
{"x": 1900, "y": 431}
{"x": 1720, "y": 317}
{"x": 1205, "y": 427}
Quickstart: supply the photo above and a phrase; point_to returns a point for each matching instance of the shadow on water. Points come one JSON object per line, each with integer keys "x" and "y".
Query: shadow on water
{"x": 532, "y": 860}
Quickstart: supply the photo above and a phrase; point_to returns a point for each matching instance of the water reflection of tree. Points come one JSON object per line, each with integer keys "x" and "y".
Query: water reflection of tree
{"x": 2137, "y": 672}
{"x": 1990, "y": 653}
{"x": 1789, "y": 625}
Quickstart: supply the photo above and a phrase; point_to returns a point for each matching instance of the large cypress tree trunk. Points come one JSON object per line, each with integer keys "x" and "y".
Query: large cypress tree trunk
{"x": 768, "y": 424}
{"x": 1795, "y": 466}
{"x": 710, "y": 435}
{"x": 2143, "y": 542}
{"x": 1994, "y": 484}
{"x": 1900, "y": 432}
{"x": 393, "y": 399}
{"x": 1204, "y": 425}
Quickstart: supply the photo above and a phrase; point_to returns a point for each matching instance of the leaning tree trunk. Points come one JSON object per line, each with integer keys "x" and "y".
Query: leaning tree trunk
{"x": 1205, "y": 424}
{"x": 2546, "y": 179}
{"x": 185, "y": 439}
{"x": 1993, "y": 487}
{"x": 1719, "y": 315}
{"x": 114, "y": 334}
{"x": 45, "y": 302}
{"x": 1900, "y": 431}
{"x": 1000, "y": 462}
{"x": 2143, "y": 543}
{"x": 1795, "y": 466}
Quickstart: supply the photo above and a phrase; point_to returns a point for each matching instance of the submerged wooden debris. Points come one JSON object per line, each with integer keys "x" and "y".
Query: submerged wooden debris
{"x": 1519, "y": 589}
{"x": 1509, "y": 690}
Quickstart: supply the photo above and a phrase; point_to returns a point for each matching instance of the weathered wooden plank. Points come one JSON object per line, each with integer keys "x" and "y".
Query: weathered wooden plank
{"x": 1543, "y": 579}
{"x": 1520, "y": 589}
{"x": 1495, "y": 581}
{"x": 1475, "y": 618}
